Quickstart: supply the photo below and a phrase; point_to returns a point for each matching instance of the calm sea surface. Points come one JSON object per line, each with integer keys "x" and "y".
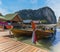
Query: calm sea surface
{"x": 52, "y": 44}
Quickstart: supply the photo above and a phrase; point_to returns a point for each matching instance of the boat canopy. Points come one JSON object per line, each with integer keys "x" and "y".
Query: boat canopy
{"x": 29, "y": 21}
{"x": 48, "y": 25}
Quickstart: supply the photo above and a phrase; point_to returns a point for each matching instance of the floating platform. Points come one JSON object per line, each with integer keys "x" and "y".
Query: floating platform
{"x": 9, "y": 45}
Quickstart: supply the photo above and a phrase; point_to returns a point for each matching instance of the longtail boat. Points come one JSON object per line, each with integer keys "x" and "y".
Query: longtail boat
{"x": 39, "y": 32}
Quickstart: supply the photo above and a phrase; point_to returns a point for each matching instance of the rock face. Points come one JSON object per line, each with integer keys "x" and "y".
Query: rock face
{"x": 45, "y": 13}
{"x": 59, "y": 20}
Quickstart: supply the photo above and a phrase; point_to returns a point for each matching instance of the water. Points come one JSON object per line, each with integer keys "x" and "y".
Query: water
{"x": 56, "y": 43}
{"x": 52, "y": 44}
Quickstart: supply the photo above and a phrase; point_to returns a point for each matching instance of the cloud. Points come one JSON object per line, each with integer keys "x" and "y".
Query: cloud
{"x": 54, "y": 4}
{"x": 3, "y": 11}
{"x": 31, "y": 1}
{"x": 34, "y": 1}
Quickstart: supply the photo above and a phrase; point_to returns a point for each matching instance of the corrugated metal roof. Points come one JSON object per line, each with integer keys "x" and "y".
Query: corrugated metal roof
{"x": 36, "y": 21}
{"x": 27, "y": 21}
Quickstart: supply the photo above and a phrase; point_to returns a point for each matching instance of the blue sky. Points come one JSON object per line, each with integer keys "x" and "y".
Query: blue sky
{"x": 11, "y": 6}
{"x": 15, "y": 5}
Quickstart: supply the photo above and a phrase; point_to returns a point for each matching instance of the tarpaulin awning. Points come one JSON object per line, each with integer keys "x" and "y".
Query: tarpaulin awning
{"x": 3, "y": 23}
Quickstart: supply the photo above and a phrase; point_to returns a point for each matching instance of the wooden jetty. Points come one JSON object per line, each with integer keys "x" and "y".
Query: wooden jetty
{"x": 9, "y": 45}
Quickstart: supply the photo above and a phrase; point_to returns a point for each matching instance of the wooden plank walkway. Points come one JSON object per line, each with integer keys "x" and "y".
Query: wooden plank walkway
{"x": 10, "y": 45}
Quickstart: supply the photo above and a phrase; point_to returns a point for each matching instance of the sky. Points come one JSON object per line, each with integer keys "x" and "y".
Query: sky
{"x": 11, "y": 6}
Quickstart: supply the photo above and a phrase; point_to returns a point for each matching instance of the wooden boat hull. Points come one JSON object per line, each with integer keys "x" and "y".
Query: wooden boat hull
{"x": 39, "y": 33}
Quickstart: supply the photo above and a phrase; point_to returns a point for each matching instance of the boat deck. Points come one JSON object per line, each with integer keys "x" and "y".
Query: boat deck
{"x": 9, "y": 45}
